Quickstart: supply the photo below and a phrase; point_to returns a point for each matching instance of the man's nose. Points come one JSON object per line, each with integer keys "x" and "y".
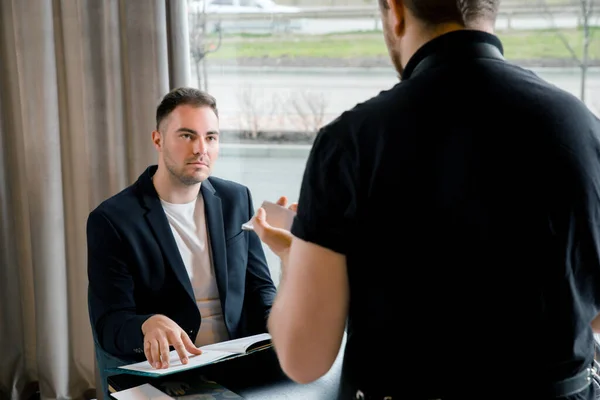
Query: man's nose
{"x": 200, "y": 147}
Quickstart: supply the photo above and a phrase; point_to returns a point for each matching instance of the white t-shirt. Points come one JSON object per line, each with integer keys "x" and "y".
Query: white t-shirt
{"x": 188, "y": 224}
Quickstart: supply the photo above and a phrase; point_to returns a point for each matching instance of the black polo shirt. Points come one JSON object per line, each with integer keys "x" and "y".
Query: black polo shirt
{"x": 466, "y": 200}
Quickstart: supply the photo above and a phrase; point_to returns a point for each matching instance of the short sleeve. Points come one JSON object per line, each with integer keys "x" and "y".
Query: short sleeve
{"x": 328, "y": 195}
{"x": 575, "y": 210}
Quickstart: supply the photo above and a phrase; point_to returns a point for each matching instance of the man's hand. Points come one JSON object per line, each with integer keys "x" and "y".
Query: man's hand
{"x": 160, "y": 332}
{"x": 279, "y": 240}
{"x": 283, "y": 203}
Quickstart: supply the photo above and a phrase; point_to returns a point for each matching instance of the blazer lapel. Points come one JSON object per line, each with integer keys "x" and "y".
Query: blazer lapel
{"x": 162, "y": 231}
{"x": 160, "y": 225}
{"x": 216, "y": 235}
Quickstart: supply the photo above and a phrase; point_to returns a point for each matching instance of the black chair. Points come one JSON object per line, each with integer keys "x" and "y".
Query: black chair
{"x": 105, "y": 362}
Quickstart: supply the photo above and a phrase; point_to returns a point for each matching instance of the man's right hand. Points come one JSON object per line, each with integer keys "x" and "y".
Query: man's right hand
{"x": 279, "y": 240}
{"x": 160, "y": 332}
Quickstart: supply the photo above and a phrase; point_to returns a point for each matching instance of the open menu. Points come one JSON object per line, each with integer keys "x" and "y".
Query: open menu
{"x": 211, "y": 354}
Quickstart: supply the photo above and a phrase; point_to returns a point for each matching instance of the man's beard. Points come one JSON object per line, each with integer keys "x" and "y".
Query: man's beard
{"x": 393, "y": 53}
{"x": 187, "y": 180}
{"x": 396, "y": 60}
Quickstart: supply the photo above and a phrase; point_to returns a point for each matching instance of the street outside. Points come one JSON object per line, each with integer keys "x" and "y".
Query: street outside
{"x": 270, "y": 96}
{"x": 272, "y": 170}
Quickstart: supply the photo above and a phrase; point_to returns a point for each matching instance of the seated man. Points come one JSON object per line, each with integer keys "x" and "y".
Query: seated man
{"x": 168, "y": 262}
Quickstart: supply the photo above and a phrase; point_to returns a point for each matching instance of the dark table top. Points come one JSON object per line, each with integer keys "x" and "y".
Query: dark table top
{"x": 255, "y": 376}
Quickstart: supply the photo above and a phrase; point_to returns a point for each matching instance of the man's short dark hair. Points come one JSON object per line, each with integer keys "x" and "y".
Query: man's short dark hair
{"x": 184, "y": 96}
{"x": 433, "y": 12}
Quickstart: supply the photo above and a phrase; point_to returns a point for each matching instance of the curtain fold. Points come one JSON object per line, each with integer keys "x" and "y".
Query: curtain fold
{"x": 80, "y": 80}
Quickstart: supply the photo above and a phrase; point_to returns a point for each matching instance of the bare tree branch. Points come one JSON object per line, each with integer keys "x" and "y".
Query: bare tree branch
{"x": 583, "y": 62}
{"x": 256, "y": 113}
{"x": 587, "y": 6}
{"x": 298, "y": 109}
{"x": 559, "y": 33}
{"x": 278, "y": 112}
{"x": 248, "y": 115}
{"x": 317, "y": 104}
{"x": 590, "y": 15}
{"x": 309, "y": 109}
{"x": 200, "y": 46}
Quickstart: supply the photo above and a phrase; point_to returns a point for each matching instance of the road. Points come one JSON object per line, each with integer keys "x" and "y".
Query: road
{"x": 281, "y": 98}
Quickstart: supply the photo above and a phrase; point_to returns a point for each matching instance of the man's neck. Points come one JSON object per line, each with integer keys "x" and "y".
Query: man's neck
{"x": 171, "y": 190}
{"x": 422, "y": 36}
{"x": 418, "y": 37}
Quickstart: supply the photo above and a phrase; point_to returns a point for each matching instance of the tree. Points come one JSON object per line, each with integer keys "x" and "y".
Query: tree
{"x": 200, "y": 46}
{"x": 309, "y": 109}
{"x": 584, "y": 22}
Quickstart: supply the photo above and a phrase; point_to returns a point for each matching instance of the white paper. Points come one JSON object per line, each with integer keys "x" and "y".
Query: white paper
{"x": 277, "y": 216}
{"x": 175, "y": 365}
{"x": 143, "y": 392}
{"x": 237, "y": 345}
{"x": 210, "y": 353}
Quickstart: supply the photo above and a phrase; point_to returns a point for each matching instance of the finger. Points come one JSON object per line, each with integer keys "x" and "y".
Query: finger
{"x": 293, "y": 207}
{"x": 164, "y": 352}
{"x": 155, "y": 351}
{"x": 278, "y": 239}
{"x": 259, "y": 222}
{"x": 177, "y": 344}
{"x": 282, "y": 201}
{"x": 261, "y": 214}
{"x": 189, "y": 345}
{"x": 148, "y": 352}
{"x": 262, "y": 227}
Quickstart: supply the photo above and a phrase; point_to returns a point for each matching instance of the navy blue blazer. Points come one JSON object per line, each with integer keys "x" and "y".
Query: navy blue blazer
{"x": 135, "y": 269}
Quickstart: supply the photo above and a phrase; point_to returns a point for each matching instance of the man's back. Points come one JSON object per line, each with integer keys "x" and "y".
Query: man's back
{"x": 474, "y": 260}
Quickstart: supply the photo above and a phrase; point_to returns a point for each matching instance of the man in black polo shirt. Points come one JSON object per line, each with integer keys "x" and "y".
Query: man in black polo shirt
{"x": 452, "y": 221}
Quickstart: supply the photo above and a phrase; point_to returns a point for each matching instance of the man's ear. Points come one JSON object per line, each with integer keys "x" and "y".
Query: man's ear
{"x": 157, "y": 140}
{"x": 397, "y": 12}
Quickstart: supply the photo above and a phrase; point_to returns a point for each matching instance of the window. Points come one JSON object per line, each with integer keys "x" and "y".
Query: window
{"x": 278, "y": 80}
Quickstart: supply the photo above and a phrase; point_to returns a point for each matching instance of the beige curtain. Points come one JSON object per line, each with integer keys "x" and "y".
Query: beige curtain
{"x": 79, "y": 83}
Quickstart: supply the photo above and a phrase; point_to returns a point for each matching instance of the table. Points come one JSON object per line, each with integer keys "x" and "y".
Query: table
{"x": 255, "y": 376}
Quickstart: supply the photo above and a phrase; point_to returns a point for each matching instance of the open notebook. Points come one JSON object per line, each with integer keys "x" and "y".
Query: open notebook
{"x": 210, "y": 354}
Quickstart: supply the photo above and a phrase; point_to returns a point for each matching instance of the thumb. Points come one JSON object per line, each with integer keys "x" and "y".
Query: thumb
{"x": 261, "y": 215}
{"x": 261, "y": 226}
{"x": 189, "y": 345}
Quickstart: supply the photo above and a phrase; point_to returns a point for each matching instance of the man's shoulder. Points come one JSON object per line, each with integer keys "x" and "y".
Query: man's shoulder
{"x": 364, "y": 116}
{"x": 120, "y": 204}
{"x": 549, "y": 106}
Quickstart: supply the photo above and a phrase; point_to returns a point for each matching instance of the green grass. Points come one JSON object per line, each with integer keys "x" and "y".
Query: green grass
{"x": 343, "y": 46}
{"x": 547, "y": 44}
{"x": 517, "y": 45}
